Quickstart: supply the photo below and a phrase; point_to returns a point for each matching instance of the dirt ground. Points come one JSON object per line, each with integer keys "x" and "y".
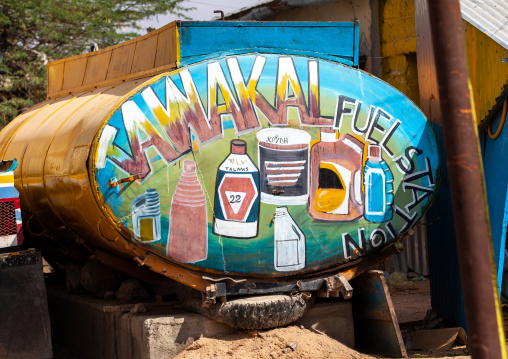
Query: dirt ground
{"x": 288, "y": 342}
{"x": 411, "y": 304}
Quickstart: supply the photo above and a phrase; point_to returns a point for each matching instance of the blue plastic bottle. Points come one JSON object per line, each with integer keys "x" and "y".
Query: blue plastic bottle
{"x": 378, "y": 183}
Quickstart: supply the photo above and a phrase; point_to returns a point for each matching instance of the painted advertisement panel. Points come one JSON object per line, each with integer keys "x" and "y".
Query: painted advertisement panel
{"x": 266, "y": 164}
{"x": 11, "y": 231}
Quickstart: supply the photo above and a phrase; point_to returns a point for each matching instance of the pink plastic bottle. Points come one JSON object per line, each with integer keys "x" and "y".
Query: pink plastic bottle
{"x": 188, "y": 229}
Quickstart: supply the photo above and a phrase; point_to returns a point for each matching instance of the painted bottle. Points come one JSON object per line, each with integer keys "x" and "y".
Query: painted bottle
{"x": 378, "y": 183}
{"x": 188, "y": 228}
{"x": 146, "y": 216}
{"x": 336, "y": 178}
{"x": 237, "y": 195}
{"x": 289, "y": 246}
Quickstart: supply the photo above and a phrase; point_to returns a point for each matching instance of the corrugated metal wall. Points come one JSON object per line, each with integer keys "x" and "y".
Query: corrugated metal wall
{"x": 414, "y": 257}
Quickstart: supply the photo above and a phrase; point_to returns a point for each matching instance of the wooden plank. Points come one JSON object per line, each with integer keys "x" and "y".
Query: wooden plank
{"x": 375, "y": 323}
{"x": 166, "y": 47}
{"x": 427, "y": 80}
{"x": 438, "y": 339}
{"x": 74, "y": 72}
{"x": 144, "y": 56}
{"x": 121, "y": 61}
{"x": 55, "y": 77}
{"x": 97, "y": 68}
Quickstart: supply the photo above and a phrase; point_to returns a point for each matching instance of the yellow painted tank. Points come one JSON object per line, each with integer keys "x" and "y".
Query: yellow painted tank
{"x": 211, "y": 165}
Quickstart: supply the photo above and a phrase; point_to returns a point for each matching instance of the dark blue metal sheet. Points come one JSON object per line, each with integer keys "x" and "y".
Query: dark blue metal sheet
{"x": 375, "y": 323}
{"x": 445, "y": 285}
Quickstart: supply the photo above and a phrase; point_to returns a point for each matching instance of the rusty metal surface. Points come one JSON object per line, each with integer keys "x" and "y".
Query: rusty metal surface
{"x": 446, "y": 289}
{"x": 143, "y": 56}
{"x": 310, "y": 282}
{"x": 466, "y": 183}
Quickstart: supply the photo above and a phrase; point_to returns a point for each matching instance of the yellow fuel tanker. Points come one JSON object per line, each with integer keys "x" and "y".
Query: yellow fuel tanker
{"x": 236, "y": 158}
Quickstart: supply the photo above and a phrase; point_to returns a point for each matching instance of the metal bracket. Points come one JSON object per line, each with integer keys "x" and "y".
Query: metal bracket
{"x": 213, "y": 291}
{"x": 221, "y": 14}
{"x": 139, "y": 261}
{"x": 335, "y": 285}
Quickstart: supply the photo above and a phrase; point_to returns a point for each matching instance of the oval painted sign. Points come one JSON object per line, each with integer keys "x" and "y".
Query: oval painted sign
{"x": 267, "y": 164}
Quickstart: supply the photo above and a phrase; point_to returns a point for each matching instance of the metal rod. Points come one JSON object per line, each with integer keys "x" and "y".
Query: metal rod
{"x": 132, "y": 178}
{"x": 472, "y": 225}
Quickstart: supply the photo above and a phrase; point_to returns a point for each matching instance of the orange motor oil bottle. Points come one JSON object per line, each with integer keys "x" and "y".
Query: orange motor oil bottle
{"x": 336, "y": 178}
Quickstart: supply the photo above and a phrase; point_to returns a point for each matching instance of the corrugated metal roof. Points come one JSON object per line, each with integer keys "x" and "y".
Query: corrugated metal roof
{"x": 489, "y": 16}
{"x": 267, "y": 8}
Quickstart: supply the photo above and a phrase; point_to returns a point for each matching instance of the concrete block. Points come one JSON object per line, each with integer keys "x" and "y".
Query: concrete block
{"x": 335, "y": 319}
{"x": 86, "y": 327}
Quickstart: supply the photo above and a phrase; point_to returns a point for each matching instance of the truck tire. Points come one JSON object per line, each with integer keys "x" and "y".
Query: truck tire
{"x": 257, "y": 312}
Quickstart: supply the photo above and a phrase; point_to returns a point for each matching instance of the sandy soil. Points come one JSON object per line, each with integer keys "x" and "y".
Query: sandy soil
{"x": 411, "y": 304}
{"x": 288, "y": 342}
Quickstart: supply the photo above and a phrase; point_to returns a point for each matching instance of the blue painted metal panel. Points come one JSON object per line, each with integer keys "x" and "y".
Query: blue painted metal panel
{"x": 338, "y": 41}
{"x": 494, "y": 154}
{"x": 445, "y": 286}
{"x": 8, "y": 192}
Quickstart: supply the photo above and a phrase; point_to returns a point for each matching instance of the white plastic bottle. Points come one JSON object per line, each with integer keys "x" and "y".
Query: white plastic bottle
{"x": 289, "y": 246}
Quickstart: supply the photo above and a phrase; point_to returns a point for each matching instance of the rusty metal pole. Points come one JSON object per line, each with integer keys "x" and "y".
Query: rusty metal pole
{"x": 472, "y": 225}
